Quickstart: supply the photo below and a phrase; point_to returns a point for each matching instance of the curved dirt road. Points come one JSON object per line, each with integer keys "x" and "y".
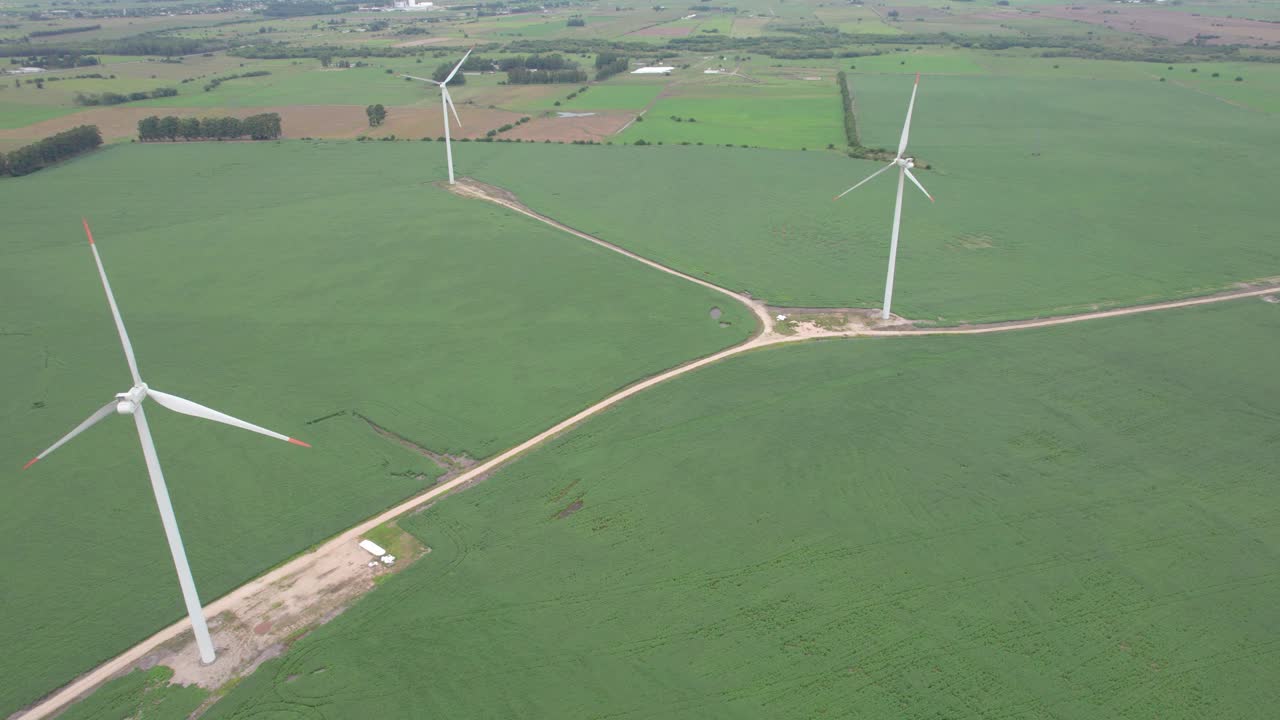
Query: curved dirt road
{"x": 85, "y": 684}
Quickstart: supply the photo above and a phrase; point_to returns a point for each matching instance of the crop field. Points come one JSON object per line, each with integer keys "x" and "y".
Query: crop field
{"x": 1078, "y": 522}
{"x": 299, "y": 286}
{"x": 780, "y": 117}
{"x": 140, "y": 695}
{"x": 1052, "y": 196}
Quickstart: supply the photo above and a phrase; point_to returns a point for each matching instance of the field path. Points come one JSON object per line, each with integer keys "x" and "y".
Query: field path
{"x": 302, "y": 570}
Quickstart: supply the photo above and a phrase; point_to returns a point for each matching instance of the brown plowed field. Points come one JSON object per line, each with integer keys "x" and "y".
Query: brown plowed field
{"x": 596, "y": 127}
{"x": 1170, "y": 24}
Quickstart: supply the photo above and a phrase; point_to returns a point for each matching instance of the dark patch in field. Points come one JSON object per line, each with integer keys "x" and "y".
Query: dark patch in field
{"x": 572, "y": 508}
{"x": 449, "y": 463}
{"x": 326, "y": 417}
{"x": 262, "y": 628}
{"x": 716, "y": 313}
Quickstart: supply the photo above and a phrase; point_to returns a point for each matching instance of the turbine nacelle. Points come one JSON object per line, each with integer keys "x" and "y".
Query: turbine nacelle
{"x": 128, "y": 402}
{"x": 905, "y": 163}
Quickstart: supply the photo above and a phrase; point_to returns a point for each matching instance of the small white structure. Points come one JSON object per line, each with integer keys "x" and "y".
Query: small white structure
{"x": 653, "y": 70}
{"x": 413, "y": 5}
{"x": 782, "y": 318}
{"x": 372, "y": 548}
{"x": 24, "y": 71}
{"x": 388, "y": 559}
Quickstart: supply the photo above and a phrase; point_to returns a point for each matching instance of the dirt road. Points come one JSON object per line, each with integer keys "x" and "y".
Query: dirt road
{"x": 309, "y": 570}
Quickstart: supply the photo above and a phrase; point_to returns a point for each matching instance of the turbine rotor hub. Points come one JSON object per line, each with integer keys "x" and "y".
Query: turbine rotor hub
{"x": 128, "y": 402}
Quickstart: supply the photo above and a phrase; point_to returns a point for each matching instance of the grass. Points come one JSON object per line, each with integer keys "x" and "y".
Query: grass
{"x": 1054, "y": 196}
{"x": 1075, "y": 523}
{"x": 140, "y": 695}
{"x": 282, "y": 283}
{"x": 787, "y": 117}
{"x": 16, "y": 115}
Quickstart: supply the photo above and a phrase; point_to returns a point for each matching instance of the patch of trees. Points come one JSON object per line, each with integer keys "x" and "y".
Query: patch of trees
{"x": 214, "y": 83}
{"x": 63, "y": 31}
{"x": 576, "y": 22}
{"x": 377, "y": 114}
{"x": 265, "y": 126}
{"x": 30, "y": 158}
{"x": 113, "y": 98}
{"x": 541, "y": 70}
{"x": 533, "y": 76}
{"x": 610, "y": 63}
{"x": 442, "y": 71}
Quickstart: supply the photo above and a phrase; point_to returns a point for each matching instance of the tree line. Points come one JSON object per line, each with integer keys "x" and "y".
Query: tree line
{"x": 63, "y": 31}
{"x": 265, "y": 126}
{"x": 114, "y": 98}
{"x": 214, "y": 83}
{"x": 30, "y": 158}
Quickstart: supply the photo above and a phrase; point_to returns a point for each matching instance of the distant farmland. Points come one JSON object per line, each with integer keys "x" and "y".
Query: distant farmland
{"x": 1053, "y": 196}
{"x": 282, "y": 290}
{"x": 1070, "y": 523}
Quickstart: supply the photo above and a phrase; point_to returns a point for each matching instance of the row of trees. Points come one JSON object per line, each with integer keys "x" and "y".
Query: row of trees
{"x": 265, "y": 126}
{"x": 63, "y": 31}
{"x": 50, "y": 150}
{"x": 214, "y": 83}
{"x": 113, "y": 98}
{"x": 846, "y": 101}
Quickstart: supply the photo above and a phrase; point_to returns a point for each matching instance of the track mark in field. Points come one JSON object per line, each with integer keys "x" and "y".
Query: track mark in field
{"x": 450, "y": 463}
{"x": 315, "y": 566}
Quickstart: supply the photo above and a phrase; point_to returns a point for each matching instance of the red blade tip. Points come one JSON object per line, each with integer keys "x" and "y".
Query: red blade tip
{"x": 296, "y": 441}
{"x": 917, "y": 78}
{"x": 29, "y": 464}
{"x": 87, "y": 232}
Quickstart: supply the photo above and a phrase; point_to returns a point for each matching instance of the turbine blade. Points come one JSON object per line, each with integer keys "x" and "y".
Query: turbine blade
{"x": 415, "y": 77}
{"x": 864, "y": 181}
{"x": 458, "y": 67}
{"x": 449, "y": 101}
{"x": 115, "y": 310}
{"x": 913, "y": 179}
{"x": 186, "y": 407}
{"x": 97, "y": 416}
{"x": 906, "y": 126}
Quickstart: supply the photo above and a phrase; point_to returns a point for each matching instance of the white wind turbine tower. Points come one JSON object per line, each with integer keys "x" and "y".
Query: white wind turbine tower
{"x": 904, "y": 165}
{"x": 130, "y": 403}
{"x": 446, "y": 104}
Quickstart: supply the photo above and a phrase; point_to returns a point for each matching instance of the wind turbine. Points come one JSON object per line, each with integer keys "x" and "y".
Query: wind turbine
{"x": 130, "y": 403}
{"x": 446, "y": 104}
{"x": 904, "y": 171}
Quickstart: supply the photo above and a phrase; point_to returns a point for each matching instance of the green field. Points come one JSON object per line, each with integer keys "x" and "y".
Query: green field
{"x": 282, "y": 283}
{"x": 1078, "y": 522}
{"x": 140, "y": 695}
{"x": 1052, "y": 196}
{"x": 16, "y": 115}
{"x": 806, "y": 116}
